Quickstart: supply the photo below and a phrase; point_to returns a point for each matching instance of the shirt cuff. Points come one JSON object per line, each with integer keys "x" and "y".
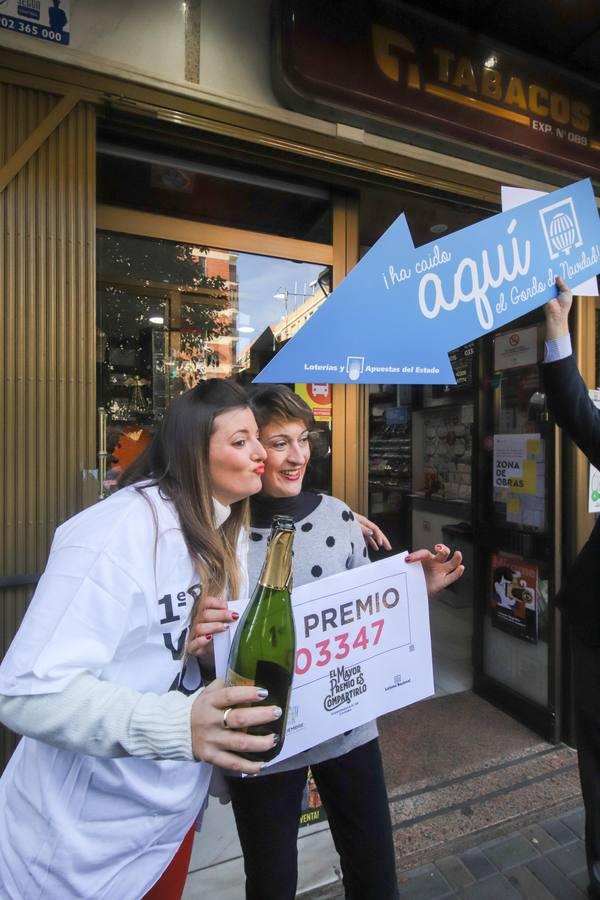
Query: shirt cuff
{"x": 557, "y": 348}
{"x": 160, "y": 726}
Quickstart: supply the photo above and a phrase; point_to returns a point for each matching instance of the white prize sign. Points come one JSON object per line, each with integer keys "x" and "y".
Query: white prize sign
{"x": 363, "y": 649}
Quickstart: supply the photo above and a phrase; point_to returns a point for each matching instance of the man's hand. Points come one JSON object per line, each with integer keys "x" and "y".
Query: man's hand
{"x": 372, "y": 534}
{"x": 218, "y": 714}
{"x": 557, "y": 312}
{"x": 440, "y": 570}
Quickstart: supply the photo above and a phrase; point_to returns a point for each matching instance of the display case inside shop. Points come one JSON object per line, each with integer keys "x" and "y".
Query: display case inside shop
{"x": 442, "y": 452}
{"x": 390, "y": 458}
{"x": 442, "y": 436}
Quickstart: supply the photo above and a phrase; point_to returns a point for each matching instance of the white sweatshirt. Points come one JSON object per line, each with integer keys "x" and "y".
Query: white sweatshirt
{"x": 103, "y": 634}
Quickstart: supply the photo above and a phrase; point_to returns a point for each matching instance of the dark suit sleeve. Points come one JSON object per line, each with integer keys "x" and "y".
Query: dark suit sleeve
{"x": 570, "y": 404}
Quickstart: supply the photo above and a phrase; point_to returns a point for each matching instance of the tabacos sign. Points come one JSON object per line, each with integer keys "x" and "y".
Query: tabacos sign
{"x": 398, "y": 71}
{"x": 487, "y": 86}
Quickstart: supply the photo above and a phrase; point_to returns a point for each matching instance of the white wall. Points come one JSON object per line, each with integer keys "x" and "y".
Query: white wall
{"x": 119, "y": 37}
{"x": 141, "y": 35}
{"x": 235, "y": 50}
{"x": 145, "y": 40}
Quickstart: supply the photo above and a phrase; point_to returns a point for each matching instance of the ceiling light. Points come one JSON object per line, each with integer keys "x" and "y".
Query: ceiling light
{"x": 440, "y": 228}
{"x": 156, "y": 320}
{"x": 490, "y": 62}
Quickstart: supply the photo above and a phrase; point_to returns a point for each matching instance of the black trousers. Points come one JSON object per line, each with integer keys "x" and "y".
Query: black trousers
{"x": 352, "y": 788}
{"x": 586, "y": 671}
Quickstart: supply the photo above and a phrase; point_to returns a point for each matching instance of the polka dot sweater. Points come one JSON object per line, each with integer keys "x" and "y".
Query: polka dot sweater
{"x": 328, "y": 540}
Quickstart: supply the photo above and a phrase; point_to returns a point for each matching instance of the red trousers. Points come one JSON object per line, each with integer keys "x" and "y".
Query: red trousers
{"x": 172, "y": 881}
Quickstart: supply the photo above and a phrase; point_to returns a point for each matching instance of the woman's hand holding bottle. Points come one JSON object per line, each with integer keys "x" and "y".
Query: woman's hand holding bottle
{"x": 218, "y": 716}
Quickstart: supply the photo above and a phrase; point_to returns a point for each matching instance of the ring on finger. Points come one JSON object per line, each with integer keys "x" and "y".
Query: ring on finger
{"x": 225, "y": 714}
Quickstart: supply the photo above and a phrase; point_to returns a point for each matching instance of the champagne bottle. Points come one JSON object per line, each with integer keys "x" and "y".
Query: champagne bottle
{"x": 263, "y": 651}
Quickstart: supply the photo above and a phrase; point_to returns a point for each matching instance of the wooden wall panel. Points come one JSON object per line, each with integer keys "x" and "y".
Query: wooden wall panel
{"x": 47, "y": 336}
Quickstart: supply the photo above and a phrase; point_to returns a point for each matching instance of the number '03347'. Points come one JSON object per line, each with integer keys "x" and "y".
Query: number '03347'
{"x": 327, "y": 650}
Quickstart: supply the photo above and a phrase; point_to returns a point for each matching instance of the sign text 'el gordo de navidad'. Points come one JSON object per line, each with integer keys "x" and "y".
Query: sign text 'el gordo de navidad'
{"x": 400, "y": 311}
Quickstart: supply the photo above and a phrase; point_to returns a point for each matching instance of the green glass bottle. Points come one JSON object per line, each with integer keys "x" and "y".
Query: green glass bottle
{"x": 264, "y": 647}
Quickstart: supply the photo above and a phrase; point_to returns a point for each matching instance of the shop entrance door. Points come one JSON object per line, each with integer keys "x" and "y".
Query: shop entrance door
{"x": 516, "y": 630}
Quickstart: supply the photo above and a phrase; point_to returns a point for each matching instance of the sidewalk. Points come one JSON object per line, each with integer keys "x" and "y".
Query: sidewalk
{"x": 480, "y": 808}
{"x": 539, "y": 861}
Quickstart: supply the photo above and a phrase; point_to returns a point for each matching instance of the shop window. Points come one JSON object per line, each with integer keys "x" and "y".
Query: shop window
{"x": 429, "y": 215}
{"x": 172, "y": 314}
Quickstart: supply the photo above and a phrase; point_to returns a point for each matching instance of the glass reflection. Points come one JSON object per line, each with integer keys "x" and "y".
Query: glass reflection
{"x": 171, "y": 315}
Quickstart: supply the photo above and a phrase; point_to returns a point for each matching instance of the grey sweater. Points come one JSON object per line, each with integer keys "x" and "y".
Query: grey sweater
{"x": 328, "y": 540}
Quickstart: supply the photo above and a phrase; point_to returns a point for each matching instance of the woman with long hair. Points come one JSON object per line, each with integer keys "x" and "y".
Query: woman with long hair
{"x": 119, "y": 732}
{"x": 347, "y": 769}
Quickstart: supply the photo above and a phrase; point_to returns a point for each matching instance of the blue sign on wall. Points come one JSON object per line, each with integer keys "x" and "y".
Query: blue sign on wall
{"x": 400, "y": 311}
{"x": 47, "y": 20}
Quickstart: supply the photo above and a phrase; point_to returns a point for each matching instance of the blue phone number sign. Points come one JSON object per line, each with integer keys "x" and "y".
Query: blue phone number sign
{"x": 47, "y": 20}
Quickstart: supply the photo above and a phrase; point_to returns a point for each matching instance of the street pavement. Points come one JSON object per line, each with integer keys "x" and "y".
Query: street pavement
{"x": 539, "y": 861}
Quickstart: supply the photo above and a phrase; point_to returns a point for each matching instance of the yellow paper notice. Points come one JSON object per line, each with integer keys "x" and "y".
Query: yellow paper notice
{"x": 529, "y": 477}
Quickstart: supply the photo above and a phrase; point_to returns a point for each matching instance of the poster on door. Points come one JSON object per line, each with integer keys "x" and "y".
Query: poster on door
{"x": 515, "y": 348}
{"x": 312, "y": 810}
{"x": 514, "y": 595}
{"x": 519, "y": 478}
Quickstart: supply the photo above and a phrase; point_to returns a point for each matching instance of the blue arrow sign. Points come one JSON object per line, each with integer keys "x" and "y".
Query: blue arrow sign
{"x": 401, "y": 309}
